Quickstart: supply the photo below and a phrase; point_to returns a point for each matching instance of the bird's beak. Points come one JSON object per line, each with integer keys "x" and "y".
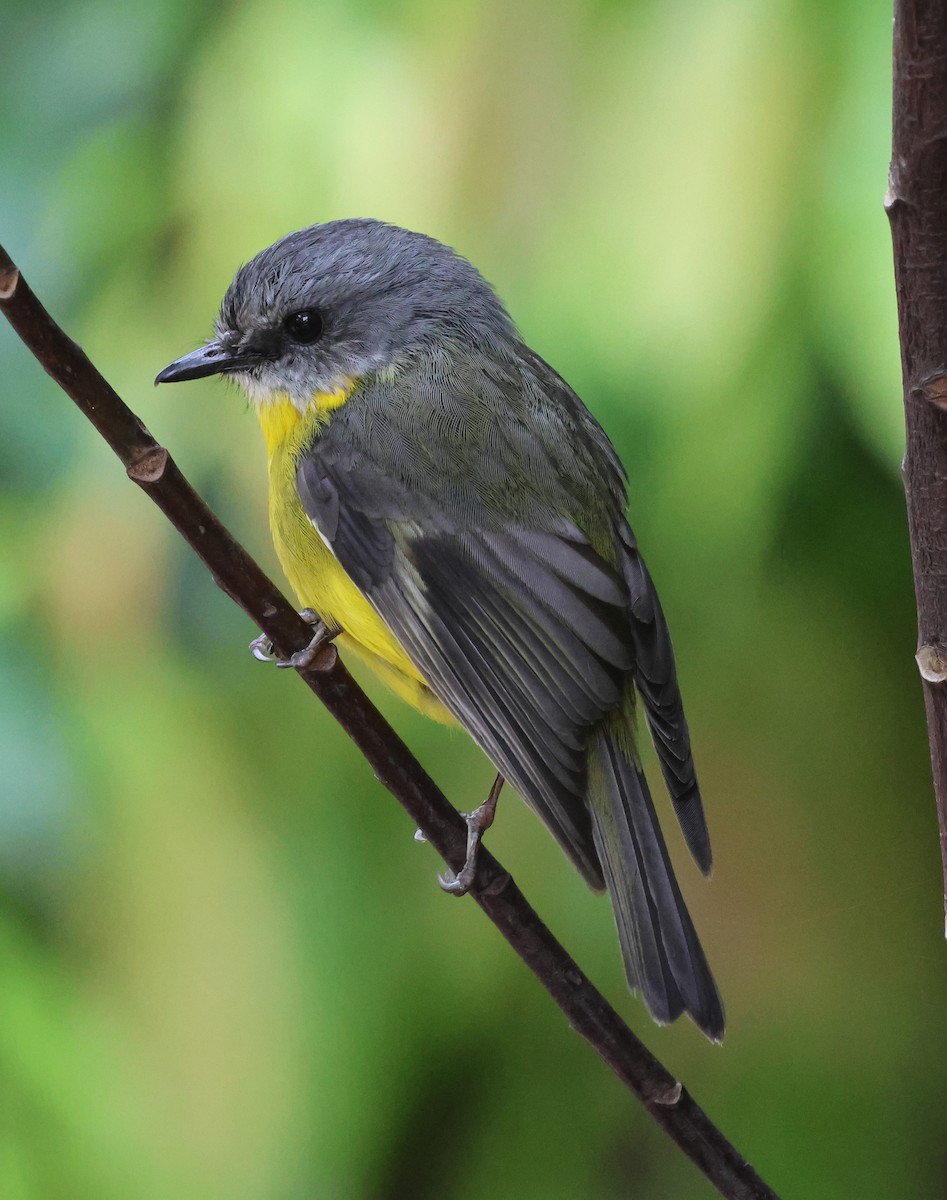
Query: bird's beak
{"x": 212, "y": 359}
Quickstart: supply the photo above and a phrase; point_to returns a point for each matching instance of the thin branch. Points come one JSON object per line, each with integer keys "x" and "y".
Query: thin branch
{"x": 152, "y": 468}
{"x": 916, "y": 203}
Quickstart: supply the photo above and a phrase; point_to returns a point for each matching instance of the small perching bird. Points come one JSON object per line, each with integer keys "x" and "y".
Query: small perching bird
{"x": 449, "y": 508}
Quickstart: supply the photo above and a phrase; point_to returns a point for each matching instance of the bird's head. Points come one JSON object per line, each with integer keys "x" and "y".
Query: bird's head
{"x": 329, "y": 305}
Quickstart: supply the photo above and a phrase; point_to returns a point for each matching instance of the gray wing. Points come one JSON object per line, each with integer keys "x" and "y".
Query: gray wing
{"x": 523, "y": 630}
{"x": 522, "y": 634}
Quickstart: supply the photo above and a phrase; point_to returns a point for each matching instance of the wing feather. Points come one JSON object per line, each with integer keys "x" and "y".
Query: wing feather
{"x": 531, "y": 635}
{"x": 656, "y": 680}
{"x": 523, "y": 629}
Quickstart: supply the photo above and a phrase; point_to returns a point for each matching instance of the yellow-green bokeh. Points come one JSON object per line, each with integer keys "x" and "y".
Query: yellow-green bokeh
{"x": 226, "y": 971}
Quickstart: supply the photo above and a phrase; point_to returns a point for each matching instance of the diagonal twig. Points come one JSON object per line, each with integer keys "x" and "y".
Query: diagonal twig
{"x": 152, "y": 468}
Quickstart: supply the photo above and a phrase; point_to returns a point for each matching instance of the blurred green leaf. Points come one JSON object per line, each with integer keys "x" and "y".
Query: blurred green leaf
{"x": 226, "y": 969}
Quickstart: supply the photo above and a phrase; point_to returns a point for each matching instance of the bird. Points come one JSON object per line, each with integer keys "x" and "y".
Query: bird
{"x": 448, "y": 509}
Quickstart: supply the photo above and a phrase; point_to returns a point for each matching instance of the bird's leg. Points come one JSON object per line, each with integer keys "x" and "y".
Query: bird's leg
{"x": 262, "y": 648}
{"x": 478, "y": 822}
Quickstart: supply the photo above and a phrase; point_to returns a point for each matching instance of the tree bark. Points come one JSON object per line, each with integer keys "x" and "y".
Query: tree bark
{"x": 916, "y": 204}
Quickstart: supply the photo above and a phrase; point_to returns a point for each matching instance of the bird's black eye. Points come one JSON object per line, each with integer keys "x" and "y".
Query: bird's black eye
{"x": 304, "y": 326}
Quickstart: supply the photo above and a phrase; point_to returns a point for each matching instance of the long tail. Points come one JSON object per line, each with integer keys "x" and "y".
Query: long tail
{"x": 663, "y": 957}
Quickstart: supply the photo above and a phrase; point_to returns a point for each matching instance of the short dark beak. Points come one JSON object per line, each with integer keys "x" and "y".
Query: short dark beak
{"x": 212, "y": 359}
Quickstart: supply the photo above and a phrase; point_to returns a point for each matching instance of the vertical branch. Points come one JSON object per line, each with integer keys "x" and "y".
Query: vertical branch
{"x": 916, "y": 204}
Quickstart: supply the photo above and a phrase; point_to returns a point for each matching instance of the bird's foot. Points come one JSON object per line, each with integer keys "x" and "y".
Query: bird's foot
{"x": 478, "y": 822}
{"x": 320, "y": 654}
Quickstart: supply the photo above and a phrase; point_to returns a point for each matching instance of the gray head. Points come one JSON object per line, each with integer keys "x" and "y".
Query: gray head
{"x": 335, "y": 302}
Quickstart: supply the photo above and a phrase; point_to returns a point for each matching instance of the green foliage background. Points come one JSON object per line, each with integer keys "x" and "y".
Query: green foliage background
{"x": 226, "y": 970}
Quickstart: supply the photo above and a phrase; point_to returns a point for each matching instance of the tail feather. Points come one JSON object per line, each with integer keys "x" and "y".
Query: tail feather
{"x": 663, "y": 957}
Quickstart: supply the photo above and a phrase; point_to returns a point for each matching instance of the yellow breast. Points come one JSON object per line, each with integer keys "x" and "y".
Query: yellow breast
{"x": 311, "y": 567}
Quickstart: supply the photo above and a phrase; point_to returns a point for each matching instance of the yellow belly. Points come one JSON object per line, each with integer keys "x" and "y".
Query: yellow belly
{"x": 313, "y": 570}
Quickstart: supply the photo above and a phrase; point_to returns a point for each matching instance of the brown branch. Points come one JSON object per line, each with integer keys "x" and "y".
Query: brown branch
{"x": 916, "y": 203}
{"x": 153, "y": 469}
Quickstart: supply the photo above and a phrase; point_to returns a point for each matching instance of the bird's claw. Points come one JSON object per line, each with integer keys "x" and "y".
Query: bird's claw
{"x": 459, "y": 885}
{"x": 311, "y": 656}
{"x": 262, "y": 648}
{"x": 308, "y": 658}
{"x": 478, "y": 822}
